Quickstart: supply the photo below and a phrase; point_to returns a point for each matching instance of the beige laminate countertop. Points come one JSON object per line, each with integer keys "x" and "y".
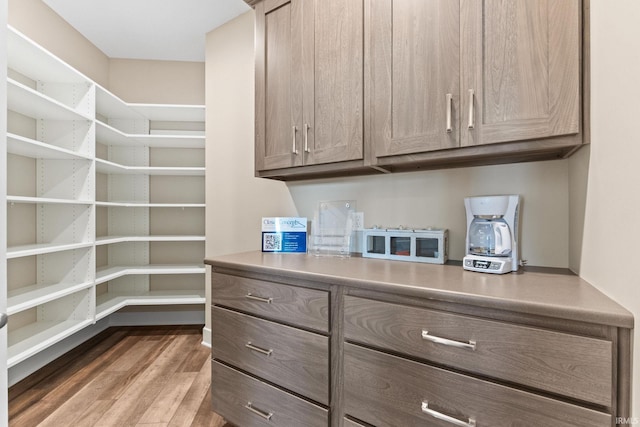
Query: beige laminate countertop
{"x": 562, "y": 296}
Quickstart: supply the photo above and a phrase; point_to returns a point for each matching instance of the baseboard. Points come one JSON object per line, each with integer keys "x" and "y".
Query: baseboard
{"x": 128, "y": 318}
{"x": 153, "y": 318}
{"x": 206, "y": 337}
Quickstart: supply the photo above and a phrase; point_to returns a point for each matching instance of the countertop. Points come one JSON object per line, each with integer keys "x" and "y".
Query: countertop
{"x": 563, "y": 296}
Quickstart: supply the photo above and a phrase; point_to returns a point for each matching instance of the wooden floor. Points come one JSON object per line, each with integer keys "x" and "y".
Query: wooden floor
{"x": 136, "y": 376}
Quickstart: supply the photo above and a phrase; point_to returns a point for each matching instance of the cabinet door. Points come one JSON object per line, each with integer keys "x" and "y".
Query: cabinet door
{"x": 278, "y": 86}
{"x": 333, "y": 52}
{"x": 414, "y": 63}
{"x": 522, "y": 60}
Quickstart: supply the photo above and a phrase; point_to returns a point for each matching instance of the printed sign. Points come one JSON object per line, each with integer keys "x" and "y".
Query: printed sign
{"x": 284, "y": 234}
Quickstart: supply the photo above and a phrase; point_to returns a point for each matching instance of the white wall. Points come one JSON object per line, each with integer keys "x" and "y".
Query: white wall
{"x": 606, "y": 178}
{"x": 436, "y": 198}
{"x": 236, "y": 201}
{"x": 157, "y": 82}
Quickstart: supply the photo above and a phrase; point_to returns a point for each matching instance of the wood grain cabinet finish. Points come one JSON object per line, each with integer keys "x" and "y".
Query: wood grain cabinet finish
{"x": 386, "y": 390}
{"x": 295, "y": 359}
{"x": 309, "y": 82}
{"x": 448, "y": 74}
{"x": 307, "y": 308}
{"x": 369, "y": 351}
{"x": 248, "y": 402}
{"x": 568, "y": 365}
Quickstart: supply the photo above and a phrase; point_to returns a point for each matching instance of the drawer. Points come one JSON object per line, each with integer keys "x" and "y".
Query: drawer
{"x": 303, "y": 307}
{"x": 292, "y": 358}
{"x": 569, "y": 365}
{"x": 386, "y": 390}
{"x": 245, "y": 401}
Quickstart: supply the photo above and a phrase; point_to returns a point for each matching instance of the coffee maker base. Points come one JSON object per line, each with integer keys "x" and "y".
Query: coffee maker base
{"x": 487, "y": 264}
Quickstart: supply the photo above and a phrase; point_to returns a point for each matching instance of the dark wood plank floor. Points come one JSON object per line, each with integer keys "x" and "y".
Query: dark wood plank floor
{"x": 129, "y": 376}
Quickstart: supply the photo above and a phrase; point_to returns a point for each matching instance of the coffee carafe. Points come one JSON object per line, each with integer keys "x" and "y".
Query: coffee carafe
{"x": 492, "y": 234}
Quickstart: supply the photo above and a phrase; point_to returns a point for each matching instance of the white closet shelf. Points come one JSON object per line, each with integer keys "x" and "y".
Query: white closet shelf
{"x": 31, "y": 60}
{"x": 35, "y": 337}
{"x": 110, "y": 302}
{"x": 27, "y": 147}
{"x": 26, "y": 101}
{"x": 108, "y": 240}
{"x": 30, "y": 296}
{"x": 47, "y": 200}
{"x": 107, "y": 134}
{"x": 43, "y": 248}
{"x": 113, "y": 272}
{"x": 110, "y": 106}
{"x": 150, "y": 205}
{"x": 171, "y": 112}
{"x": 108, "y": 167}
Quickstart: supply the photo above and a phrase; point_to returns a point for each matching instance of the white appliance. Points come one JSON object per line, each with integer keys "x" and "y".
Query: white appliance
{"x": 492, "y": 234}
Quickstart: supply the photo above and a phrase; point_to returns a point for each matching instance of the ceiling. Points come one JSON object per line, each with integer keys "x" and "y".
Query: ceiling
{"x": 172, "y": 30}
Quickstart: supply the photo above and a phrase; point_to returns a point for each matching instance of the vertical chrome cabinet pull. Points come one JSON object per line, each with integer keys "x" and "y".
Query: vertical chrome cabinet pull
{"x": 250, "y": 296}
{"x": 472, "y": 121}
{"x": 449, "y": 112}
{"x": 438, "y": 340}
{"x": 258, "y": 349}
{"x": 294, "y": 148}
{"x": 264, "y": 414}
{"x": 3, "y": 320}
{"x": 306, "y": 138}
{"x": 447, "y": 418}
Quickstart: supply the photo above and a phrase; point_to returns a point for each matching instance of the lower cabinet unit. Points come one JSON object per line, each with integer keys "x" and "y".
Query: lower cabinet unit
{"x": 270, "y": 350}
{"x": 304, "y": 341}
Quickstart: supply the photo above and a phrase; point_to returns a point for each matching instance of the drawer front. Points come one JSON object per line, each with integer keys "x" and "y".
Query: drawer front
{"x": 247, "y": 402}
{"x": 570, "y": 365}
{"x": 386, "y": 390}
{"x": 303, "y": 307}
{"x": 292, "y": 358}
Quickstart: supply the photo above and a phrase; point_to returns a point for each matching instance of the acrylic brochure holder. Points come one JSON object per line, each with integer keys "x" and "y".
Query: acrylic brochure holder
{"x": 332, "y": 228}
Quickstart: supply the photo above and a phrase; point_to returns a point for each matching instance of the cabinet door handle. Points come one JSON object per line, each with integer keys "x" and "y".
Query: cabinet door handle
{"x": 250, "y": 296}
{"x": 306, "y": 138}
{"x": 3, "y": 320}
{"x": 449, "y": 112}
{"x": 294, "y": 148}
{"x": 447, "y": 418}
{"x": 264, "y": 414}
{"x": 472, "y": 121}
{"x": 266, "y": 352}
{"x": 438, "y": 340}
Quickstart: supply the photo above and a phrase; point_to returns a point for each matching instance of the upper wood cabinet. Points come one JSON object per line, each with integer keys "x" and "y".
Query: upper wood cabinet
{"x": 448, "y": 74}
{"x": 309, "y": 82}
{"x": 364, "y": 86}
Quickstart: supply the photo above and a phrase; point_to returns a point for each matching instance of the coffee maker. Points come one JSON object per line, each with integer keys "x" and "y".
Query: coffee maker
{"x": 492, "y": 234}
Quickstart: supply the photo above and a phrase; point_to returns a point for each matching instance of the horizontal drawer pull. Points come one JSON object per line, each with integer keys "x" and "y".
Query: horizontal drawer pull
{"x": 249, "y": 295}
{"x": 447, "y": 418}
{"x": 264, "y": 414}
{"x": 264, "y": 351}
{"x": 438, "y": 340}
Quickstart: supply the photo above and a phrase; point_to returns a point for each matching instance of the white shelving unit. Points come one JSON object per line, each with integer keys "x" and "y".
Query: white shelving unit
{"x": 105, "y": 202}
